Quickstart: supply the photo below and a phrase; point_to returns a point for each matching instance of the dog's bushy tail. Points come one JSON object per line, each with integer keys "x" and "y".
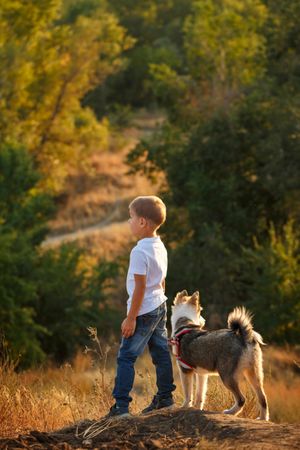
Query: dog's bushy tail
{"x": 240, "y": 321}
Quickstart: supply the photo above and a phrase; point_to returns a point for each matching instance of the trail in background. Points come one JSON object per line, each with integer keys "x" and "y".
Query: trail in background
{"x": 143, "y": 126}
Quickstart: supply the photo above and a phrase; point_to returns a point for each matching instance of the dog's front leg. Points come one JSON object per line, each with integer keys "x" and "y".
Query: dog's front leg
{"x": 187, "y": 377}
{"x": 201, "y": 388}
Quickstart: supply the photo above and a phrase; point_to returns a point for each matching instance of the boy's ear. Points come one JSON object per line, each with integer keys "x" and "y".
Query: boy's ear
{"x": 195, "y": 299}
{"x": 180, "y": 297}
{"x": 142, "y": 221}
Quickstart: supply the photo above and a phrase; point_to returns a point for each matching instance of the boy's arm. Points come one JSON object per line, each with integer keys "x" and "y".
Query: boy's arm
{"x": 129, "y": 324}
{"x": 163, "y": 284}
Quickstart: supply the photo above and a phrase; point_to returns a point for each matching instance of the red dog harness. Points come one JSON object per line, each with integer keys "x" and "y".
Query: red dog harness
{"x": 175, "y": 341}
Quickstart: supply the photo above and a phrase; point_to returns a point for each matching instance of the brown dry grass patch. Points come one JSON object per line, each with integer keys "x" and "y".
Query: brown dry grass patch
{"x": 90, "y": 195}
{"x": 50, "y": 398}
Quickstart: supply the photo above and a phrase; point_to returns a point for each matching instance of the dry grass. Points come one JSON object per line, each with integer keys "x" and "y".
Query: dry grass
{"x": 51, "y": 398}
{"x": 90, "y": 196}
{"x": 93, "y": 209}
{"x": 283, "y": 383}
{"x": 108, "y": 242}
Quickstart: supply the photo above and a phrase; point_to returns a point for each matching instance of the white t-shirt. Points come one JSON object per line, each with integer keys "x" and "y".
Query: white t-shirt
{"x": 149, "y": 257}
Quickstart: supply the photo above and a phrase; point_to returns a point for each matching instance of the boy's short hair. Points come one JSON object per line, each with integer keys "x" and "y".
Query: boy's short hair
{"x": 150, "y": 207}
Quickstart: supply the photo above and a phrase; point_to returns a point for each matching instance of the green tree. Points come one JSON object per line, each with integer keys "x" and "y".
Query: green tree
{"x": 23, "y": 215}
{"x": 228, "y": 157}
{"x": 157, "y": 28}
{"x": 224, "y": 185}
{"x": 282, "y": 31}
{"x": 223, "y": 42}
{"x": 70, "y": 299}
{"x": 49, "y": 61}
{"x": 47, "y": 297}
{"x": 223, "y": 53}
{"x": 272, "y": 280}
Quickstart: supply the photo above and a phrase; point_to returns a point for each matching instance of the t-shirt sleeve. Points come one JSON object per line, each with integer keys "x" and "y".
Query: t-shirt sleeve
{"x": 137, "y": 263}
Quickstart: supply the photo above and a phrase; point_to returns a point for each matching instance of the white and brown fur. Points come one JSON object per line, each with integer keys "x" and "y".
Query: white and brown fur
{"x": 231, "y": 353}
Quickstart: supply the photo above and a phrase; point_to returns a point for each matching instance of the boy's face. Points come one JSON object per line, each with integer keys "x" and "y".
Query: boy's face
{"x": 137, "y": 224}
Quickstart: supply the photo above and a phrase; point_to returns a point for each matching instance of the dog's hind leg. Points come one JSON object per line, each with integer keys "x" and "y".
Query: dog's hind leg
{"x": 233, "y": 386}
{"x": 201, "y": 387}
{"x": 255, "y": 378}
{"x": 187, "y": 377}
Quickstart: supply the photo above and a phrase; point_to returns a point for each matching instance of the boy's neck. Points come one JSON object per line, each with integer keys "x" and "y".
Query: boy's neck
{"x": 148, "y": 232}
{"x": 148, "y": 235}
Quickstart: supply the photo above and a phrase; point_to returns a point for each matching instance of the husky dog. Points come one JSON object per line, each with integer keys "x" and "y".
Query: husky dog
{"x": 230, "y": 352}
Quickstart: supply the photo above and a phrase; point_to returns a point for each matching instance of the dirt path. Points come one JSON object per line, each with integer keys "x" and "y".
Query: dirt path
{"x": 143, "y": 126}
{"x": 84, "y": 232}
{"x": 176, "y": 429}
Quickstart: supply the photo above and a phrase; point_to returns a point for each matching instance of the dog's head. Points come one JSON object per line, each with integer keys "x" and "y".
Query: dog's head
{"x": 186, "y": 309}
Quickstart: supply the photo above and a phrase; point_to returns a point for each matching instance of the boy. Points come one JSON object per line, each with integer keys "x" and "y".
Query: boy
{"x": 146, "y": 308}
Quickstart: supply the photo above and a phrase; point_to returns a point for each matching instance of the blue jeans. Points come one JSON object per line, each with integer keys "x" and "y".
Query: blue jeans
{"x": 150, "y": 329}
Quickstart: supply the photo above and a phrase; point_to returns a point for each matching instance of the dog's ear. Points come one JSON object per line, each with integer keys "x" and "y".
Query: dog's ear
{"x": 180, "y": 297}
{"x": 195, "y": 299}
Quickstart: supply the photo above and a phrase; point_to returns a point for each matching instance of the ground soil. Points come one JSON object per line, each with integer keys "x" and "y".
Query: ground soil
{"x": 176, "y": 429}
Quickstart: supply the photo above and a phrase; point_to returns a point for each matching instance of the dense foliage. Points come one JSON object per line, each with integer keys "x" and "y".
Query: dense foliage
{"x": 47, "y": 298}
{"x": 51, "y": 54}
{"x": 227, "y": 73}
{"x": 230, "y": 152}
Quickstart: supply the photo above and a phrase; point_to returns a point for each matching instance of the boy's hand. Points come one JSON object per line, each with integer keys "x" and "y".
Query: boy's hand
{"x": 128, "y": 327}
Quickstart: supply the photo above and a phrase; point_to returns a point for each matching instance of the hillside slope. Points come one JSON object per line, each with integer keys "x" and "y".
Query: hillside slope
{"x": 176, "y": 429}
{"x": 93, "y": 209}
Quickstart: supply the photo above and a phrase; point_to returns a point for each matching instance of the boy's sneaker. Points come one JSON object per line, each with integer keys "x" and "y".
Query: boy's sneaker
{"x": 117, "y": 412}
{"x": 159, "y": 403}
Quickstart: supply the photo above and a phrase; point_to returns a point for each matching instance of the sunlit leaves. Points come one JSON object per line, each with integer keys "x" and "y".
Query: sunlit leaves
{"x": 223, "y": 41}
{"x": 47, "y": 66}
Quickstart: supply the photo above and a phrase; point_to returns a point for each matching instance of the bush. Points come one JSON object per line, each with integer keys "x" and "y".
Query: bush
{"x": 70, "y": 299}
{"x": 23, "y": 216}
{"x": 47, "y": 299}
{"x": 272, "y": 281}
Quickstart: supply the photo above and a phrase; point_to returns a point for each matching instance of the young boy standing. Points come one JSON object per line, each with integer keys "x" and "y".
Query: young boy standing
{"x": 146, "y": 308}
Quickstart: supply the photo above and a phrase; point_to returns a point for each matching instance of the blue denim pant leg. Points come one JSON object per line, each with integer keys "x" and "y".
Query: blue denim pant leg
{"x": 160, "y": 354}
{"x": 132, "y": 347}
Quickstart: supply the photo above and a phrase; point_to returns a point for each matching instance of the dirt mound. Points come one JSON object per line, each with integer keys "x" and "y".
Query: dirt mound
{"x": 176, "y": 429}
